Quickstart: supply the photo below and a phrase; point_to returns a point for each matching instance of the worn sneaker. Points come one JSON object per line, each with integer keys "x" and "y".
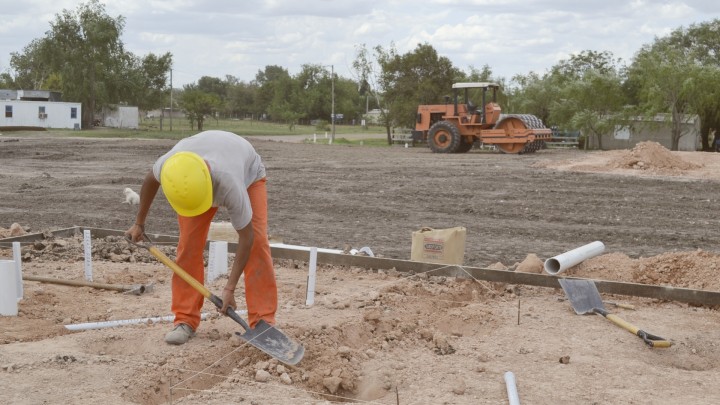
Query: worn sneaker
{"x": 180, "y": 335}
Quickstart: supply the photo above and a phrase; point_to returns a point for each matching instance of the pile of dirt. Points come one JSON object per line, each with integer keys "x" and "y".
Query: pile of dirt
{"x": 111, "y": 248}
{"x": 14, "y": 230}
{"x": 651, "y": 155}
{"x": 696, "y": 270}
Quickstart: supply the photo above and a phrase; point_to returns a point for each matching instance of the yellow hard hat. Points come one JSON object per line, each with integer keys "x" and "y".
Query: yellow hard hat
{"x": 186, "y": 182}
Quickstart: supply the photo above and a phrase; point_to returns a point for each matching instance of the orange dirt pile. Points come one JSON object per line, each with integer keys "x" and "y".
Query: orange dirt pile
{"x": 651, "y": 155}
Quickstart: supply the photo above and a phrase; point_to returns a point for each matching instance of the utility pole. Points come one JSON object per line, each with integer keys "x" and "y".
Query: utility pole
{"x": 171, "y": 100}
{"x": 332, "y": 80}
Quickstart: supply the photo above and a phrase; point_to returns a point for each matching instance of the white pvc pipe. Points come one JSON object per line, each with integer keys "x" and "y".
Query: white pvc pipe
{"x": 559, "y": 263}
{"x": 123, "y": 322}
{"x": 513, "y": 397}
{"x": 305, "y": 248}
{"x": 87, "y": 244}
{"x": 312, "y": 271}
{"x": 365, "y": 249}
{"x": 17, "y": 257}
{"x": 8, "y": 289}
{"x": 217, "y": 260}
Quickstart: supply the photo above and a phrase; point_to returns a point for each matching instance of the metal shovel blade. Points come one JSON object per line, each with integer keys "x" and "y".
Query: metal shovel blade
{"x": 273, "y": 342}
{"x": 582, "y": 294}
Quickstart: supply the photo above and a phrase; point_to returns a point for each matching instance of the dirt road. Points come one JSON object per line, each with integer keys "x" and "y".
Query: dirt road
{"x": 329, "y": 196}
{"x": 374, "y": 337}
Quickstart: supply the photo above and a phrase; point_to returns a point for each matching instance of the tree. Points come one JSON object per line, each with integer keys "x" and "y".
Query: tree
{"x": 145, "y": 83}
{"x": 267, "y": 80}
{"x": 591, "y": 97}
{"x": 485, "y": 74}
{"x": 83, "y": 56}
{"x": 665, "y": 76}
{"x": 417, "y": 77}
{"x": 400, "y": 83}
{"x": 240, "y": 98}
{"x": 702, "y": 41}
{"x": 369, "y": 74}
{"x": 533, "y": 94}
{"x": 314, "y": 82}
{"x": 198, "y": 104}
{"x": 32, "y": 67}
{"x": 6, "y": 81}
{"x": 85, "y": 49}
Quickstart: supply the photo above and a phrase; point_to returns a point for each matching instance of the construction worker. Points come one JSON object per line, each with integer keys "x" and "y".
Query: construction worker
{"x": 199, "y": 174}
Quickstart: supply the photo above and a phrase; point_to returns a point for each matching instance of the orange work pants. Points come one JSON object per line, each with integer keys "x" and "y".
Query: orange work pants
{"x": 260, "y": 286}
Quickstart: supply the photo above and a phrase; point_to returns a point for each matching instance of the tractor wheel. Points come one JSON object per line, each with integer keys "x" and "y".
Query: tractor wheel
{"x": 465, "y": 145}
{"x": 444, "y": 137}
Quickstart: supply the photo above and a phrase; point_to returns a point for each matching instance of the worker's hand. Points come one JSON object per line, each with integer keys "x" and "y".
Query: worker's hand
{"x": 228, "y": 299}
{"x": 135, "y": 233}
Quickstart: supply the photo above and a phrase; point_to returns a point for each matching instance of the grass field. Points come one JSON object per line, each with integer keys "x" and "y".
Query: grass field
{"x": 151, "y": 129}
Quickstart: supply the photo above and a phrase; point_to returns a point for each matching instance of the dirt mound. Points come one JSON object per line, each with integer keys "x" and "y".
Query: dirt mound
{"x": 697, "y": 270}
{"x": 651, "y": 155}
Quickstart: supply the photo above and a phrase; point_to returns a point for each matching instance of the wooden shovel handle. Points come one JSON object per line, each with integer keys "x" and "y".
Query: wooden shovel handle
{"x": 196, "y": 285}
{"x": 650, "y": 339}
{"x": 179, "y": 271}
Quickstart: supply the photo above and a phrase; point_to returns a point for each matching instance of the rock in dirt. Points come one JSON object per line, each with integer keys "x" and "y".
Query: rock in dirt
{"x": 236, "y": 341}
{"x": 531, "y": 264}
{"x": 565, "y": 359}
{"x": 458, "y": 388}
{"x": 332, "y": 384}
{"x": 16, "y": 230}
{"x": 285, "y": 378}
{"x": 262, "y": 376}
{"x": 442, "y": 346}
{"x": 497, "y": 266}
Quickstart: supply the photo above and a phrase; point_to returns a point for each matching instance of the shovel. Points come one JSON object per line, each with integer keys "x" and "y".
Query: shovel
{"x": 585, "y": 299}
{"x": 264, "y": 336}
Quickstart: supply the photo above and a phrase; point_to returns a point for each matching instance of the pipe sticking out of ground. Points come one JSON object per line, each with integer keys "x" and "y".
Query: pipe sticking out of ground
{"x": 8, "y": 285}
{"x": 123, "y": 322}
{"x": 558, "y": 264}
{"x": 513, "y": 397}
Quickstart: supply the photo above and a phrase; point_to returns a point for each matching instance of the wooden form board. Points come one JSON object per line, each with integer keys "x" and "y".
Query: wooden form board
{"x": 668, "y": 293}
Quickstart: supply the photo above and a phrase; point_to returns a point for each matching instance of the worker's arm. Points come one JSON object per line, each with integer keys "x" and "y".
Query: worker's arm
{"x": 245, "y": 242}
{"x": 148, "y": 191}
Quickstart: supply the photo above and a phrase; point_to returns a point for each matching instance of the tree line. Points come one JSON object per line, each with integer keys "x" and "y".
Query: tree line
{"x": 83, "y": 56}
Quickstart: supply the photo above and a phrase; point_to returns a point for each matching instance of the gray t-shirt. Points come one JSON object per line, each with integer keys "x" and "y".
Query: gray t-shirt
{"x": 234, "y": 166}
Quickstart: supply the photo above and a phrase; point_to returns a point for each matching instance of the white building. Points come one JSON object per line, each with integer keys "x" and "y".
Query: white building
{"x": 37, "y": 108}
{"x": 120, "y": 117}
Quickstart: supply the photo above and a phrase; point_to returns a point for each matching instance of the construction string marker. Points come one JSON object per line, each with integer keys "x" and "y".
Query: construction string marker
{"x": 17, "y": 257}
{"x": 88, "y": 254}
{"x": 312, "y": 269}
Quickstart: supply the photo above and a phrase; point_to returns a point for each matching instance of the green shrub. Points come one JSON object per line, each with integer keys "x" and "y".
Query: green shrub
{"x": 322, "y": 125}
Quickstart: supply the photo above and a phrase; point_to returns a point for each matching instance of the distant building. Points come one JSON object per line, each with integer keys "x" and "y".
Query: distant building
{"x": 119, "y": 117}
{"x": 373, "y": 117}
{"x": 658, "y": 129}
{"x": 38, "y": 108}
{"x": 165, "y": 113}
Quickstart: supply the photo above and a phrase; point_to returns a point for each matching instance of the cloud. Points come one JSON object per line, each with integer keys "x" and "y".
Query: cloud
{"x": 241, "y": 37}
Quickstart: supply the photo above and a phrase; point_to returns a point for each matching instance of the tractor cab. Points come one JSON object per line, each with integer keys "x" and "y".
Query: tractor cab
{"x": 488, "y": 113}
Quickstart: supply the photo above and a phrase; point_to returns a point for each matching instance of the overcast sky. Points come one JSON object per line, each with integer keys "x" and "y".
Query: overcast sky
{"x": 240, "y": 37}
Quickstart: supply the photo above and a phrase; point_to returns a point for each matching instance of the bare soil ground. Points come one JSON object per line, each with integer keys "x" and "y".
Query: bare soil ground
{"x": 374, "y": 336}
